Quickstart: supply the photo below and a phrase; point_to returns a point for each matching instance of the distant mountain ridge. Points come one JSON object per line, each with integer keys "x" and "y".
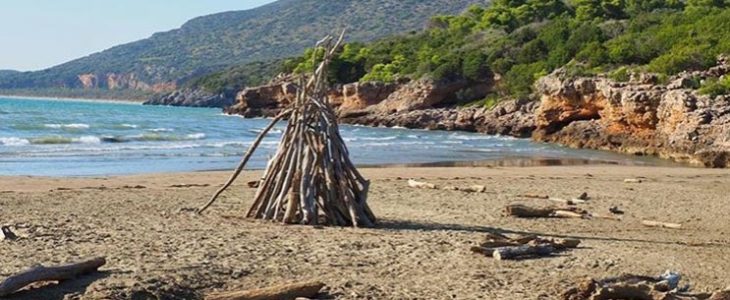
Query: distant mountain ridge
{"x": 204, "y": 44}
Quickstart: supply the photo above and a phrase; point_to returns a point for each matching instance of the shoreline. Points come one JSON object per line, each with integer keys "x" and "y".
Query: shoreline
{"x": 69, "y": 99}
{"x": 509, "y": 162}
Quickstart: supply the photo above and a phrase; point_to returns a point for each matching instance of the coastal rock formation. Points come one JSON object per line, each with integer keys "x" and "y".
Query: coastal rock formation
{"x": 360, "y": 95}
{"x": 428, "y": 93}
{"x": 513, "y": 118}
{"x": 639, "y": 117}
{"x": 265, "y": 100}
{"x": 423, "y": 104}
{"x": 192, "y": 97}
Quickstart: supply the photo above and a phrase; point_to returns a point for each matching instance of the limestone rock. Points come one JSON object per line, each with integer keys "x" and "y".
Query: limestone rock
{"x": 640, "y": 117}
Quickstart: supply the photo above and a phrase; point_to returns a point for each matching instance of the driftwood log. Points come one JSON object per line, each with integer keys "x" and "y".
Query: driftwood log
{"x": 281, "y": 292}
{"x": 56, "y": 273}
{"x": 421, "y": 185}
{"x": 661, "y": 224}
{"x": 513, "y": 252}
{"x": 523, "y": 211}
{"x": 501, "y": 247}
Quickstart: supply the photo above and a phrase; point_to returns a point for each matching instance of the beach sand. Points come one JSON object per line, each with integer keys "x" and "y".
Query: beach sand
{"x": 156, "y": 246}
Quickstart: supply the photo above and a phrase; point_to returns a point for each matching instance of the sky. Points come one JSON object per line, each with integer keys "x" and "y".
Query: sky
{"x": 37, "y": 34}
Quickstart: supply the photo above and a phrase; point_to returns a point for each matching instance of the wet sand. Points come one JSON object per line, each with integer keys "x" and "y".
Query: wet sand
{"x": 156, "y": 247}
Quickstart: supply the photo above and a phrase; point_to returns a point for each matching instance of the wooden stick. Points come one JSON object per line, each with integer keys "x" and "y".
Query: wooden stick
{"x": 523, "y": 211}
{"x": 282, "y": 292}
{"x": 513, "y": 252}
{"x": 661, "y": 224}
{"x": 40, "y": 273}
{"x": 568, "y": 202}
{"x": 243, "y": 162}
{"x": 421, "y": 185}
{"x": 534, "y": 196}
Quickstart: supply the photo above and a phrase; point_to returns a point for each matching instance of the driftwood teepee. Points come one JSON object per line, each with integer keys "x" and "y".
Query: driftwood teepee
{"x": 310, "y": 179}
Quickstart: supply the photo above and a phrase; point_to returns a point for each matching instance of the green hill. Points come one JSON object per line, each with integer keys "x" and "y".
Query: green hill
{"x": 215, "y": 42}
{"x": 523, "y": 40}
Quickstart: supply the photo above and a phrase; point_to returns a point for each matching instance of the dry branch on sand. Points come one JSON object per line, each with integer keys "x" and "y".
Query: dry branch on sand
{"x": 425, "y": 185}
{"x": 287, "y": 292}
{"x": 311, "y": 179}
{"x": 501, "y": 247}
{"x": 40, "y": 273}
{"x": 637, "y": 287}
{"x": 661, "y": 224}
{"x": 421, "y": 185}
{"x": 523, "y": 211}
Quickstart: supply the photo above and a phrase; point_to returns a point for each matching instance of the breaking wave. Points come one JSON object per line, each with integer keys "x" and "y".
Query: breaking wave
{"x": 68, "y": 126}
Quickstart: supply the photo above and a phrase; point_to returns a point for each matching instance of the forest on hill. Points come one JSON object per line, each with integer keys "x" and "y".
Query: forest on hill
{"x": 523, "y": 40}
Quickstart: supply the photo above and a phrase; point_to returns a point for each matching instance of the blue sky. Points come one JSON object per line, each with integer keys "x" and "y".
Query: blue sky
{"x": 36, "y": 34}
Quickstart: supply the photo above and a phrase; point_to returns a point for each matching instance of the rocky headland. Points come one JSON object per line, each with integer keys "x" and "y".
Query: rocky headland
{"x": 642, "y": 116}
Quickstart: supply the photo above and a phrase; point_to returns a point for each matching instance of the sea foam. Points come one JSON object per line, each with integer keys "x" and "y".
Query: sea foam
{"x": 14, "y": 141}
{"x": 68, "y": 126}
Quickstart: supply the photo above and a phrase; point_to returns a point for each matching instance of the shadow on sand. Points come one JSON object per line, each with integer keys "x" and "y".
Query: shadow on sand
{"x": 388, "y": 224}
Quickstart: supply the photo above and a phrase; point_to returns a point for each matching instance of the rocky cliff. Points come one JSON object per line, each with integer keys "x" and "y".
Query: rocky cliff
{"x": 114, "y": 81}
{"x": 641, "y": 116}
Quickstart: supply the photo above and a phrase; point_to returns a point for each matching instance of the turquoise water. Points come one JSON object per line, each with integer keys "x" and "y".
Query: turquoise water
{"x": 80, "y": 138}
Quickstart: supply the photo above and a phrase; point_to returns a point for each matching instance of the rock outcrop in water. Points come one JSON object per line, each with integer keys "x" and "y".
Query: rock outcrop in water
{"x": 193, "y": 98}
{"x": 640, "y": 117}
{"x": 514, "y": 118}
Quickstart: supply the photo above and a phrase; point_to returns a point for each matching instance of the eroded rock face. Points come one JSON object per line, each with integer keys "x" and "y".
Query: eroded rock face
{"x": 114, "y": 81}
{"x": 513, "y": 118}
{"x": 361, "y": 95}
{"x": 419, "y": 104}
{"x": 426, "y": 94}
{"x": 265, "y": 100}
{"x": 637, "y": 117}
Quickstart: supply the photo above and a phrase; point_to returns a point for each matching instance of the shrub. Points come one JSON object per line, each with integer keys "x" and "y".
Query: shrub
{"x": 715, "y": 87}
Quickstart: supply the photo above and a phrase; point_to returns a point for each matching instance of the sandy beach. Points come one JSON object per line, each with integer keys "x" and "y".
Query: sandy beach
{"x": 158, "y": 249}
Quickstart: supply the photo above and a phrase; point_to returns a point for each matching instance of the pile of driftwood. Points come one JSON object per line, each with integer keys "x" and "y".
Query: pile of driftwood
{"x": 310, "y": 180}
{"x": 663, "y": 287}
{"x": 502, "y": 247}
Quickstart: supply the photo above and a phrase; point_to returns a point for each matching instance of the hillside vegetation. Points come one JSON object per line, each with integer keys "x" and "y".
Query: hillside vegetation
{"x": 522, "y": 40}
{"x": 281, "y": 29}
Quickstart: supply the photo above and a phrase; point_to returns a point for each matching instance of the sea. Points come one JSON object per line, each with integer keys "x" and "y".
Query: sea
{"x": 42, "y": 137}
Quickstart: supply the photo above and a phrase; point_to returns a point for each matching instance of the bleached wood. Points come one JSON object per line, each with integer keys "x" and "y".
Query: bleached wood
{"x": 661, "y": 224}
{"x": 421, "y": 185}
{"x": 41, "y": 273}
